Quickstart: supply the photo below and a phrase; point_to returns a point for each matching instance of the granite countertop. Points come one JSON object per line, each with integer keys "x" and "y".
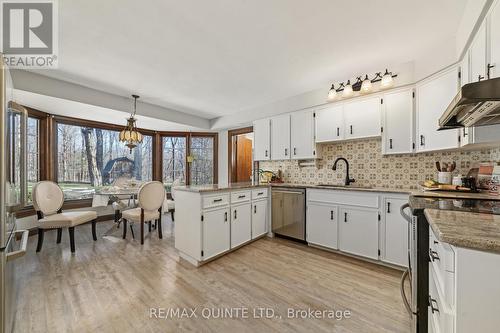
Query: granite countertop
{"x": 217, "y": 188}
{"x": 464, "y": 229}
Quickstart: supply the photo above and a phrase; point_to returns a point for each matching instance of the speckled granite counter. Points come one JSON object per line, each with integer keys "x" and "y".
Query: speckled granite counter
{"x": 463, "y": 229}
{"x": 217, "y": 188}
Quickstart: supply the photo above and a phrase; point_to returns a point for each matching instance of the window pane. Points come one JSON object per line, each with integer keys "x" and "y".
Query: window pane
{"x": 90, "y": 157}
{"x": 174, "y": 160}
{"x": 202, "y": 167}
{"x": 33, "y": 157}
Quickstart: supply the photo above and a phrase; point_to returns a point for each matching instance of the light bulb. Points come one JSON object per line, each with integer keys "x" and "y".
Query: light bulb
{"x": 366, "y": 86}
{"x": 387, "y": 80}
{"x": 332, "y": 94}
{"x": 347, "y": 89}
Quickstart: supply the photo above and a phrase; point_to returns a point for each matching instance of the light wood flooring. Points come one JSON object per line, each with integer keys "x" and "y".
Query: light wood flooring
{"x": 111, "y": 285}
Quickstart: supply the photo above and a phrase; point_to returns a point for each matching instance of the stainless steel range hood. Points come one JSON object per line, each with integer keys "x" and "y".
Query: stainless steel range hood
{"x": 476, "y": 104}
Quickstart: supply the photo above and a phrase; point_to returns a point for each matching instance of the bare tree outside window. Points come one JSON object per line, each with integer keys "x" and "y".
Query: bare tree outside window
{"x": 89, "y": 158}
{"x": 202, "y": 167}
{"x": 174, "y": 160}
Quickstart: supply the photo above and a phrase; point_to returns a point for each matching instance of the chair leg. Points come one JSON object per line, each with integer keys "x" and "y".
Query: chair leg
{"x": 149, "y": 226}
{"x": 40, "y": 239}
{"x": 124, "y": 229}
{"x": 173, "y": 215}
{"x": 117, "y": 216}
{"x": 72, "y": 238}
{"x": 142, "y": 226}
{"x": 59, "y": 235}
{"x": 94, "y": 235}
{"x": 160, "y": 233}
{"x": 132, "y": 231}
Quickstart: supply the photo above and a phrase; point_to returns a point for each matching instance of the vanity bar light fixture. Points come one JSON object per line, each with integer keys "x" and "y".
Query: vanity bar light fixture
{"x": 363, "y": 85}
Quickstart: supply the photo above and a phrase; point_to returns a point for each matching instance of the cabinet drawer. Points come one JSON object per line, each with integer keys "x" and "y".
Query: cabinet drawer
{"x": 240, "y": 196}
{"x": 347, "y": 197}
{"x": 439, "y": 314}
{"x": 442, "y": 261}
{"x": 259, "y": 193}
{"x": 215, "y": 200}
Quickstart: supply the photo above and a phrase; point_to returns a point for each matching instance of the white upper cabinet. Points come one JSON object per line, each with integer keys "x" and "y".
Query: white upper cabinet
{"x": 494, "y": 41}
{"x": 362, "y": 118}
{"x": 302, "y": 141}
{"x": 465, "y": 70}
{"x": 477, "y": 55}
{"x": 397, "y": 117}
{"x": 433, "y": 96}
{"x": 280, "y": 137}
{"x": 262, "y": 140}
{"x": 330, "y": 123}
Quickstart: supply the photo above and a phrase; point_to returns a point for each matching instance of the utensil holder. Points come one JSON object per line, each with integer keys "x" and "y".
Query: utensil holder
{"x": 444, "y": 177}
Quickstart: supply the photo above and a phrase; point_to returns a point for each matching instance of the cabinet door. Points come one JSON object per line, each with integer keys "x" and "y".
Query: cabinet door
{"x": 302, "y": 134}
{"x": 494, "y": 41}
{"x": 478, "y": 55}
{"x": 358, "y": 231}
{"x": 259, "y": 218}
{"x": 216, "y": 232}
{"x": 241, "y": 224}
{"x": 362, "y": 118}
{"x": 396, "y": 233}
{"x": 397, "y": 136}
{"x": 433, "y": 97}
{"x": 330, "y": 124}
{"x": 262, "y": 140}
{"x": 322, "y": 225}
{"x": 280, "y": 137}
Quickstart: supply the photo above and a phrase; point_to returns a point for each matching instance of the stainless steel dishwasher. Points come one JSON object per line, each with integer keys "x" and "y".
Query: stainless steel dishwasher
{"x": 288, "y": 213}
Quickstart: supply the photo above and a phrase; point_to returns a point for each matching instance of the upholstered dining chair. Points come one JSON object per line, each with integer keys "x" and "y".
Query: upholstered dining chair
{"x": 48, "y": 199}
{"x": 124, "y": 201}
{"x": 171, "y": 202}
{"x": 151, "y": 196}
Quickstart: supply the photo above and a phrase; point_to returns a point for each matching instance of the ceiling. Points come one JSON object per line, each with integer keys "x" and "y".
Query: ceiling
{"x": 219, "y": 57}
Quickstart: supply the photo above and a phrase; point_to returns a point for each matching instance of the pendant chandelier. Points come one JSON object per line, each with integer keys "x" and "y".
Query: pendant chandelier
{"x": 130, "y": 135}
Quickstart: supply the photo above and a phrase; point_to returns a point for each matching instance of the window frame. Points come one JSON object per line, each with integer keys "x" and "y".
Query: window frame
{"x": 48, "y": 150}
{"x": 189, "y": 136}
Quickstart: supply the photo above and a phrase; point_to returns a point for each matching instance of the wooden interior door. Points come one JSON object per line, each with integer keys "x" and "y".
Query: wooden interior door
{"x": 243, "y": 158}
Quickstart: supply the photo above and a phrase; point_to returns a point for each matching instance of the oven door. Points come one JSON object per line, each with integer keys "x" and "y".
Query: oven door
{"x": 411, "y": 272}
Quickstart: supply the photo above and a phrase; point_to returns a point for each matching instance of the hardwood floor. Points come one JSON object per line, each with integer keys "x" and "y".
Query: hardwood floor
{"x": 111, "y": 285}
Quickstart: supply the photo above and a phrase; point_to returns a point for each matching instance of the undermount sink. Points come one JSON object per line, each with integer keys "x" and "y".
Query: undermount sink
{"x": 345, "y": 186}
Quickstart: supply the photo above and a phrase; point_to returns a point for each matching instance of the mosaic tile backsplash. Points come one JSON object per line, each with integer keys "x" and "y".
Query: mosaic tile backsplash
{"x": 370, "y": 168}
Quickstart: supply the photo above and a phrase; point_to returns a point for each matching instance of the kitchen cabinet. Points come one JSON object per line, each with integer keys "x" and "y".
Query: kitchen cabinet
{"x": 259, "y": 218}
{"x": 241, "y": 224}
{"x": 394, "y": 231}
{"x": 477, "y": 54}
{"x": 330, "y": 123}
{"x": 262, "y": 140}
{"x": 303, "y": 145}
{"x": 362, "y": 118}
{"x": 322, "y": 224}
{"x": 433, "y": 95}
{"x": 280, "y": 137}
{"x": 397, "y": 118}
{"x": 494, "y": 41}
{"x": 216, "y": 232}
{"x": 358, "y": 231}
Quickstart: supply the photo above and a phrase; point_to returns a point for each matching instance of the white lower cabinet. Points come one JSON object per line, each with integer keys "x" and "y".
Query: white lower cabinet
{"x": 322, "y": 225}
{"x": 216, "y": 232}
{"x": 358, "y": 231}
{"x": 394, "y": 231}
{"x": 259, "y": 218}
{"x": 241, "y": 224}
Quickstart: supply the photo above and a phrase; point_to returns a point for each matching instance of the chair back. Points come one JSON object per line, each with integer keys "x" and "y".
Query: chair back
{"x": 48, "y": 197}
{"x": 176, "y": 183}
{"x": 151, "y": 195}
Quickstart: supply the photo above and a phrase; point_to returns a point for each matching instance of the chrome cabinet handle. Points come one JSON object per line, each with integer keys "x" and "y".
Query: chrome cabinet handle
{"x": 403, "y": 293}
{"x": 431, "y": 304}
{"x": 433, "y": 255}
